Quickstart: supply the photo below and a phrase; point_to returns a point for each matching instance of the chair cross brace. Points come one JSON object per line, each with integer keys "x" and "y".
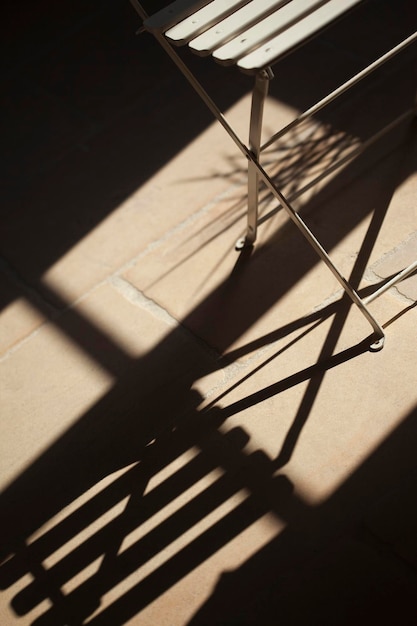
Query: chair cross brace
{"x": 256, "y": 172}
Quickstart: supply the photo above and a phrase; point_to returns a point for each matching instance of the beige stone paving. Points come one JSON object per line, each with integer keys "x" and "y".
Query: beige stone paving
{"x": 19, "y": 319}
{"x": 149, "y": 213}
{"x": 166, "y": 318}
{"x": 348, "y": 417}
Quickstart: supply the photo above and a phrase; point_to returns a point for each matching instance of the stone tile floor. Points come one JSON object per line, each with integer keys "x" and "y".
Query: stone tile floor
{"x": 189, "y": 435}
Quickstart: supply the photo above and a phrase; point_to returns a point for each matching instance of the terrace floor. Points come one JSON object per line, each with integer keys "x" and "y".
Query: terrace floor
{"x": 192, "y": 435}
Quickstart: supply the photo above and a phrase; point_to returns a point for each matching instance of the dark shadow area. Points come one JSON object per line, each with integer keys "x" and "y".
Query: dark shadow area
{"x": 87, "y": 107}
{"x": 332, "y": 564}
{"x": 350, "y": 560}
{"x": 87, "y": 110}
{"x": 306, "y": 573}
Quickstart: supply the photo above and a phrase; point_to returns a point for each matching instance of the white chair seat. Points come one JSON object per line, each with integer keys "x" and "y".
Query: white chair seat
{"x": 252, "y": 35}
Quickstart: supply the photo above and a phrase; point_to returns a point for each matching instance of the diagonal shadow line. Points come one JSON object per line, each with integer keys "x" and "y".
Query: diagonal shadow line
{"x": 75, "y": 325}
{"x": 156, "y": 578}
{"x": 299, "y": 377}
{"x": 316, "y": 373}
{"x": 400, "y": 314}
{"x": 299, "y": 166}
{"x": 302, "y": 375}
{"x": 309, "y": 373}
{"x": 170, "y": 572}
{"x": 73, "y": 524}
{"x": 318, "y": 317}
{"x": 281, "y": 385}
{"x": 142, "y": 551}
{"x": 201, "y": 548}
{"x": 38, "y": 550}
{"x": 293, "y": 172}
{"x": 330, "y": 343}
{"x": 255, "y": 592}
{"x": 278, "y": 491}
{"x": 154, "y": 458}
{"x": 311, "y": 393}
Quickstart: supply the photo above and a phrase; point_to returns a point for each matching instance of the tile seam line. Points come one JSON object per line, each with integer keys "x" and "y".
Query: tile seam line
{"x": 371, "y": 274}
{"x": 137, "y": 297}
{"x": 230, "y": 370}
{"x": 372, "y": 277}
{"x": 15, "y": 277}
{"x": 149, "y": 248}
{"x": 178, "y": 228}
{"x": 30, "y": 293}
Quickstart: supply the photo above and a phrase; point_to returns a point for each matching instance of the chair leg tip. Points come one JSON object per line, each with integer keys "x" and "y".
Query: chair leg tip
{"x": 242, "y": 243}
{"x": 377, "y": 345}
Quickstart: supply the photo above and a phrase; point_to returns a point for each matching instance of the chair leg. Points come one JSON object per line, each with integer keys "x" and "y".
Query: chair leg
{"x": 378, "y": 343}
{"x": 257, "y": 173}
{"x": 259, "y": 94}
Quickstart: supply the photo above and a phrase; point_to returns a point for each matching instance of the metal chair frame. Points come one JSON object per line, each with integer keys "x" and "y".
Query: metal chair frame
{"x": 252, "y": 152}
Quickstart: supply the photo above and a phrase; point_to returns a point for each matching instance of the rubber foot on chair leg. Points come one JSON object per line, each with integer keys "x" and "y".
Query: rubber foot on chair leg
{"x": 377, "y": 345}
{"x": 242, "y": 243}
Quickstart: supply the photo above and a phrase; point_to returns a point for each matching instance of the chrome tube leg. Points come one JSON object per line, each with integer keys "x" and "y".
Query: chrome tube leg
{"x": 259, "y": 94}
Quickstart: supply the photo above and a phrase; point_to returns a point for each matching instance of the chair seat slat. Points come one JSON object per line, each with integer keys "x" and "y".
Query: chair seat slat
{"x": 172, "y": 14}
{"x": 278, "y": 46}
{"x": 233, "y": 25}
{"x": 264, "y": 30}
{"x": 202, "y": 20}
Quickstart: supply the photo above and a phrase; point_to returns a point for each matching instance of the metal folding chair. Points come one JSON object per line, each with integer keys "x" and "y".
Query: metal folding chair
{"x": 253, "y": 35}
